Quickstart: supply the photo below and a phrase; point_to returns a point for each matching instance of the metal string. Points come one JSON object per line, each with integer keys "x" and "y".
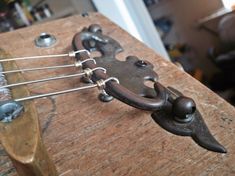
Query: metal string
{"x": 76, "y": 64}
{"x": 86, "y": 72}
{"x": 99, "y": 84}
{"x": 70, "y": 54}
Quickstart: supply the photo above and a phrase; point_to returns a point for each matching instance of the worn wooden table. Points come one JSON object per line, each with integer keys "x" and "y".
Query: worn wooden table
{"x": 87, "y": 137}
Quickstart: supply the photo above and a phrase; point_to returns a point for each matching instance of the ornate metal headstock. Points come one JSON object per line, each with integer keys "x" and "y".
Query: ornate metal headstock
{"x": 123, "y": 80}
{"x": 170, "y": 109}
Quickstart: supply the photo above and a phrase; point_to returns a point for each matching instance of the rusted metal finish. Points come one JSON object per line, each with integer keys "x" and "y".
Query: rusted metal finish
{"x": 164, "y": 102}
{"x": 109, "y": 48}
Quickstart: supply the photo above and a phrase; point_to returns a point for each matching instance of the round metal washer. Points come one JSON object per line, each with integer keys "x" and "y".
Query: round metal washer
{"x": 45, "y": 40}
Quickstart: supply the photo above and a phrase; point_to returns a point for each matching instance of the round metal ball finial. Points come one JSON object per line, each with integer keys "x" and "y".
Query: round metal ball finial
{"x": 183, "y": 109}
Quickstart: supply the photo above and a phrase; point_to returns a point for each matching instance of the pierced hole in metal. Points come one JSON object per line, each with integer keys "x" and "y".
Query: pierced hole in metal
{"x": 141, "y": 63}
{"x": 193, "y": 109}
{"x": 95, "y": 54}
{"x": 121, "y": 56}
{"x": 92, "y": 43}
{"x": 149, "y": 83}
{"x": 44, "y": 36}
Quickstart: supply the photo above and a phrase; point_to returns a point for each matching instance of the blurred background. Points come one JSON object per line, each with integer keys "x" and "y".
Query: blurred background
{"x": 197, "y": 35}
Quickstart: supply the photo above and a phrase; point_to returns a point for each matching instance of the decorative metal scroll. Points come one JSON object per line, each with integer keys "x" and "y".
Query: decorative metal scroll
{"x": 170, "y": 109}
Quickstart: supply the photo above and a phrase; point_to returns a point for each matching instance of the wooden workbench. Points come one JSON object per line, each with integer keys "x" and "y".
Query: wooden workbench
{"x": 87, "y": 137}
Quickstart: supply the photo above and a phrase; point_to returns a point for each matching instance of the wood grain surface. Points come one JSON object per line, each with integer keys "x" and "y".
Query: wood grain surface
{"x": 23, "y": 145}
{"x": 87, "y": 137}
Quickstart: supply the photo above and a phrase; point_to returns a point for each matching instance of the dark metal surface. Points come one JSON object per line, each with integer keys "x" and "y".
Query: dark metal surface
{"x": 130, "y": 74}
{"x": 93, "y": 40}
{"x": 194, "y": 127}
{"x": 197, "y": 129}
{"x": 171, "y": 110}
{"x": 104, "y": 97}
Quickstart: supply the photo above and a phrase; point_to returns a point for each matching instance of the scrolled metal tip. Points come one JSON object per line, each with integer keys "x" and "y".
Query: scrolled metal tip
{"x": 203, "y": 137}
{"x": 209, "y": 142}
{"x": 196, "y": 128}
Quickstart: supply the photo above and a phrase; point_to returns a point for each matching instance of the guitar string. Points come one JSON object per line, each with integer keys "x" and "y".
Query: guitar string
{"x": 77, "y": 63}
{"x": 86, "y": 72}
{"x": 100, "y": 84}
{"x": 70, "y": 54}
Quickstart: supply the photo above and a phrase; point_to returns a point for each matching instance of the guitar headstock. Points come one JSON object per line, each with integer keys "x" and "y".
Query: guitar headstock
{"x": 122, "y": 80}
